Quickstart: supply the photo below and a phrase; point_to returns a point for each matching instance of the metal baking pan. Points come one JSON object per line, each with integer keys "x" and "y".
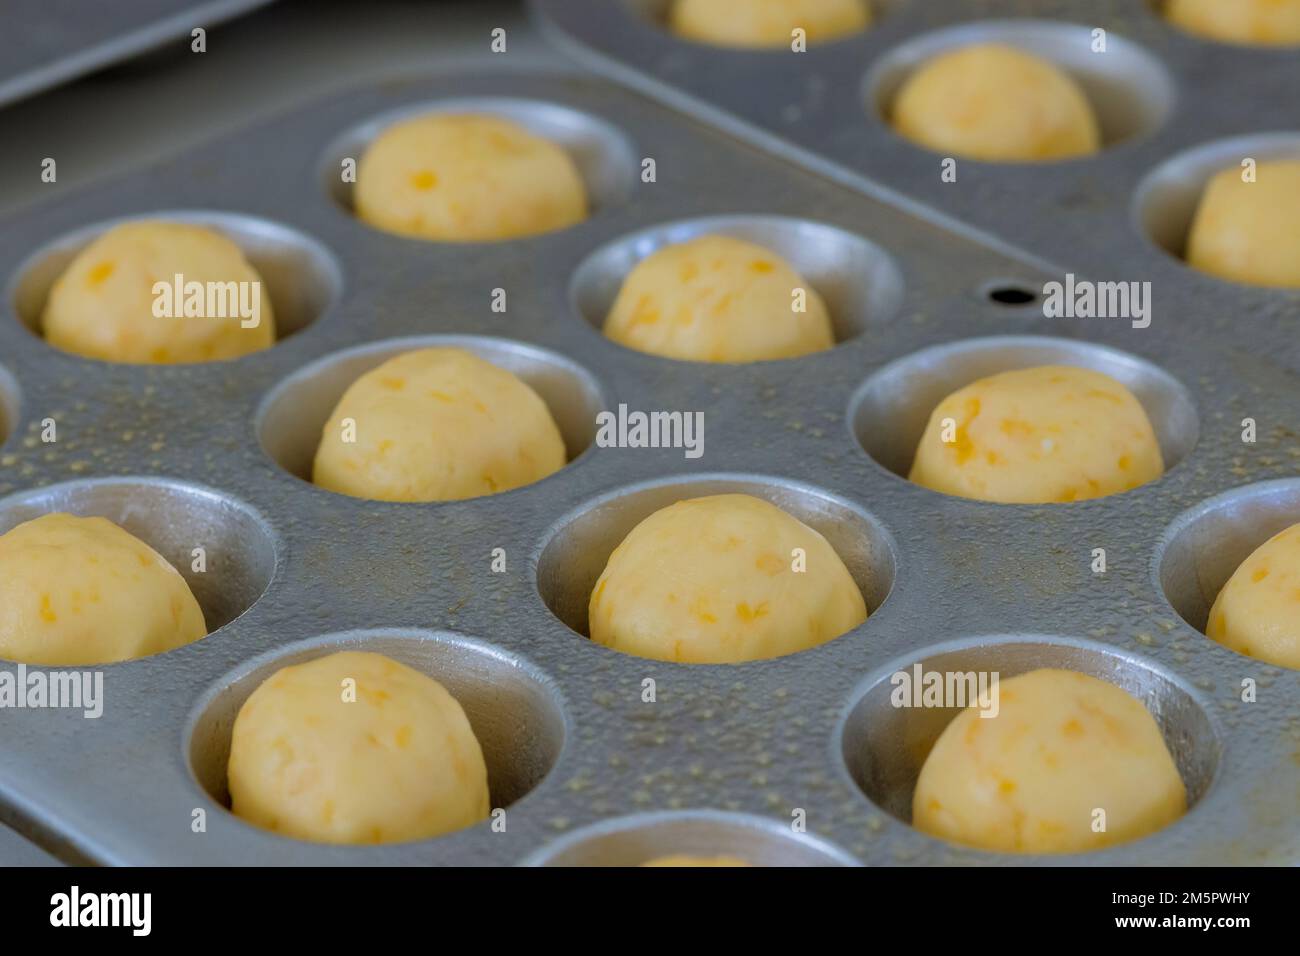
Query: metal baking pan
{"x": 727, "y": 757}
{"x": 47, "y": 42}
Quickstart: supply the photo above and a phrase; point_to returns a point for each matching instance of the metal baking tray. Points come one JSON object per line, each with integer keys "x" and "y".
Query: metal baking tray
{"x": 727, "y": 757}
{"x": 47, "y": 42}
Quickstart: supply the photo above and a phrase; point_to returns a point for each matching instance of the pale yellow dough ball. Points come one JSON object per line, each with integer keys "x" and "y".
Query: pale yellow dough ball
{"x": 1030, "y": 779}
{"x": 996, "y": 103}
{"x": 467, "y": 178}
{"x": 355, "y": 748}
{"x": 1262, "y": 22}
{"x": 766, "y": 23}
{"x": 686, "y": 860}
{"x": 713, "y": 580}
{"x": 1049, "y": 434}
{"x": 77, "y": 591}
{"x": 1250, "y": 232}
{"x": 437, "y": 424}
{"x": 103, "y": 304}
{"x": 718, "y": 299}
{"x": 1258, "y": 611}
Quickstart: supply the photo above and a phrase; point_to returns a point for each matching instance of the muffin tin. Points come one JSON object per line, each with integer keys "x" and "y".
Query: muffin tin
{"x": 59, "y": 40}
{"x": 726, "y": 756}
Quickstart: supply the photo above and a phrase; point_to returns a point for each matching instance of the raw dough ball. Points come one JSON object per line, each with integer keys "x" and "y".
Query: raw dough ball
{"x": 464, "y": 178}
{"x": 1028, "y": 780}
{"x": 1258, "y": 611}
{"x": 1250, "y": 232}
{"x": 685, "y": 859}
{"x": 1054, "y": 433}
{"x": 710, "y": 580}
{"x": 766, "y": 23}
{"x": 718, "y": 299}
{"x": 398, "y": 762}
{"x": 102, "y": 306}
{"x": 77, "y": 591}
{"x": 998, "y": 104}
{"x": 1268, "y": 22}
{"x": 437, "y": 425}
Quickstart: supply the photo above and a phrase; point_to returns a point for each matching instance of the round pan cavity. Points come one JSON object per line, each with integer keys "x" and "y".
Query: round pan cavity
{"x": 173, "y": 518}
{"x": 889, "y": 412}
{"x": 578, "y": 546}
{"x": 302, "y": 277}
{"x": 293, "y": 414}
{"x": 1204, "y": 546}
{"x": 640, "y": 838}
{"x": 1166, "y": 200}
{"x": 1131, "y": 92}
{"x": 859, "y": 281}
{"x": 883, "y": 747}
{"x": 515, "y": 710}
{"x": 604, "y": 156}
{"x": 656, "y": 13}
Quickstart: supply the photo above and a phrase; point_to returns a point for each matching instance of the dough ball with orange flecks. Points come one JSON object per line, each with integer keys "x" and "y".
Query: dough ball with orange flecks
{"x": 1256, "y": 22}
{"x": 107, "y": 305}
{"x": 1065, "y": 763}
{"x": 722, "y": 579}
{"x": 1052, "y": 433}
{"x": 766, "y": 23}
{"x": 355, "y": 747}
{"x": 77, "y": 591}
{"x": 998, "y": 104}
{"x": 1258, "y": 611}
{"x": 437, "y": 424}
{"x": 1249, "y": 231}
{"x": 718, "y": 299}
{"x": 467, "y": 178}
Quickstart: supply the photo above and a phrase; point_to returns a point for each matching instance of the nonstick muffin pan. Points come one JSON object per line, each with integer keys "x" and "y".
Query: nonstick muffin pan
{"x": 725, "y": 756}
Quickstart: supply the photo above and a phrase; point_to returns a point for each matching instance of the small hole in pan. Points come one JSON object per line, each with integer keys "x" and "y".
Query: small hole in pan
{"x": 515, "y": 710}
{"x": 301, "y": 277}
{"x": 1204, "y": 546}
{"x": 860, "y": 283}
{"x": 890, "y": 411}
{"x": 173, "y": 518}
{"x": 884, "y": 746}
{"x": 640, "y": 838}
{"x": 578, "y": 546}
{"x": 1011, "y": 295}
{"x": 291, "y": 418}
{"x": 1131, "y": 91}
{"x": 605, "y": 157}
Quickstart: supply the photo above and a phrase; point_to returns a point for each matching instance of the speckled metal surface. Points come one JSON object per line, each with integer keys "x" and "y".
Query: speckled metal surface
{"x": 569, "y": 739}
{"x": 46, "y": 42}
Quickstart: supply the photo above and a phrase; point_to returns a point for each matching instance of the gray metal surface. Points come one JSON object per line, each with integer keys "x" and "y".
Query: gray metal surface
{"x": 211, "y": 455}
{"x": 47, "y": 42}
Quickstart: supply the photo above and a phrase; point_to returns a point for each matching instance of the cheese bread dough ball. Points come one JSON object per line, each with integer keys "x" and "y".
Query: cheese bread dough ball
{"x": 395, "y": 760}
{"x": 685, "y": 859}
{"x": 1054, "y": 433}
{"x": 77, "y": 591}
{"x": 766, "y": 23}
{"x": 718, "y": 299}
{"x": 1262, "y": 22}
{"x": 997, "y": 104}
{"x": 711, "y": 581}
{"x": 467, "y": 178}
{"x": 1258, "y": 611}
{"x": 437, "y": 425}
{"x": 102, "y": 306}
{"x": 1250, "y": 232}
{"x": 1028, "y": 780}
